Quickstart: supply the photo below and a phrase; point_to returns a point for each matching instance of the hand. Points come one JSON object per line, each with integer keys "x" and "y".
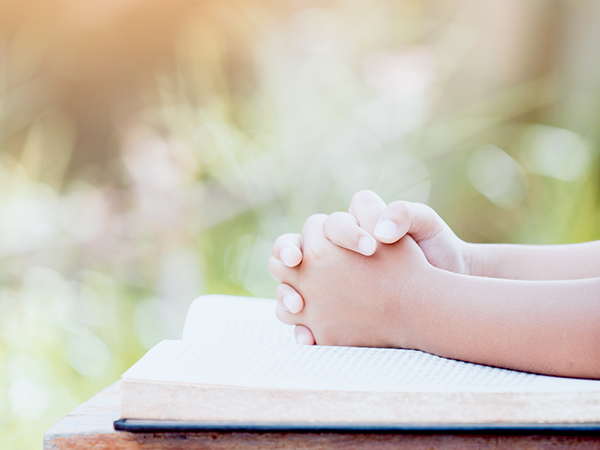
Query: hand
{"x": 390, "y": 223}
{"x": 348, "y": 299}
{"x": 369, "y": 216}
{"x": 288, "y": 249}
{"x": 371, "y": 219}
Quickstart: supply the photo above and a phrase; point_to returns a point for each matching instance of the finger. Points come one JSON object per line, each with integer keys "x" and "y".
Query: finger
{"x": 304, "y": 336}
{"x": 313, "y": 238}
{"x": 289, "y": 298}
{"x": 395, "y": 221}
{"x": 280, "y": 272}
{"x": 288, "y": 249}
{"x": 342, "y": 230}
{"x": 285, "y": 316}
{"x": 367, "y": 207}
{"x": 416, "y": 219}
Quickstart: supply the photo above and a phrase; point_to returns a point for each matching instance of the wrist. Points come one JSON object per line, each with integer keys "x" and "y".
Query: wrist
{"x": 438, "y": 312}
{"x": 475, "y": 260}
{"x": 413, "y": 307}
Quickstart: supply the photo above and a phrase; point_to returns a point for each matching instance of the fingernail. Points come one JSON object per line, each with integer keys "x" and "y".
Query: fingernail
{"x": 366, "y": 245}
{"x": 386, "y": 229}
{"x": 292, "y": 303}
{"x": 285, "y": 255}
{"x": 303, "y": 338}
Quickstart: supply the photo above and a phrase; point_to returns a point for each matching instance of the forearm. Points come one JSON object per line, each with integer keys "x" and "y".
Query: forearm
{"x": 549, "y": 327}
{"x": 536, "y": 262}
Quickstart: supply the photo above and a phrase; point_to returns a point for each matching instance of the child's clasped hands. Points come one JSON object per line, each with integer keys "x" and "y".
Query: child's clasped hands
{"x": 397, "y": 276}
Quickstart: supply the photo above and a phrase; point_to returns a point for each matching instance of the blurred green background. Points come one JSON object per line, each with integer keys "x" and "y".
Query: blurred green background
{"x": 151, "y": 151}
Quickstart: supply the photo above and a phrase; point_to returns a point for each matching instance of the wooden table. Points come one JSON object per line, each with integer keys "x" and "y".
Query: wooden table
{"x": 90, "y": 426}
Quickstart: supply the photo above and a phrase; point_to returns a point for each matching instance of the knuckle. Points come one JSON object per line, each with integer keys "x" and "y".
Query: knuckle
{"x": 314, "y": 222}
{"x": 284, "y": 289}
{"x": 279, "y": 291}
{"x": 336, "y": 217}
{"x": 315, "y": 252}
{"x": 279, "y": 242}
{"x": 276, "y": 248}
{"x": 360, "y": 197}
{"x": 285, "y": 239}
{"x": 334, "y": 223}
{"x": 430, "y": 210}
{"x": 398, "y": 210}
{"x": 365, "y": 201}
{"x": 398, "y": 204}
{"x": 271, "y": 264}
{"x": 274, "y": 268}
{"x": 364, "y": 194}
{"x": 315, "y": 219}
{"x": 345, "y": 234}
{"x": 283, "y": 316}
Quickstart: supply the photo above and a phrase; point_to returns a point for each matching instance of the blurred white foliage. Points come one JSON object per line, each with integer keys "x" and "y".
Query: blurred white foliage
{"x": 11, "y": 323}
{"x": 338, "y": 110}
{"x": 256, "y": 279}
{"x": 93, "y": 306}
{"x": 180, "y": 280}
{"x": 404, "y": 176}
{"x": 29, "y": 398}
{"x": 157, "y": 183}
{"x": 28, "y": 383}
{"x": 180, "y": 276}
{"x": 217, "y": 144}
{"x": 84, "y": 212}
{"x": 150, "y": 160}
{"x": 34, "y": 217}
{"x": 496, "y": 175}
{"x": 48, "y": 298}
{"x": 237, "y": 257}
{"x": 555, "y": 152}
{"x": 28, "y": 217}
{"x": 350, "y": 156}
{"x": 148, "y": 321}
{"x": 89, "y": 355}
{"x": 402, "y": 83}
{"x": 315, "y": 30}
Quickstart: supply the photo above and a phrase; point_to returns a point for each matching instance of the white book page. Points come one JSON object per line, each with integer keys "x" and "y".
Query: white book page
{"x": 227, "y": 318}
{"x": 291, "y": 366}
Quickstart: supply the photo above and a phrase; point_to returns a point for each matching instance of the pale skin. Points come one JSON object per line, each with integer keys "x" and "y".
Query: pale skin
{"x": 412, "y": 283}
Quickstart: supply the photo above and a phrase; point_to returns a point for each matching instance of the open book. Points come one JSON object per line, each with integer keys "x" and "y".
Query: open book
{"x": 237, "y": 363}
